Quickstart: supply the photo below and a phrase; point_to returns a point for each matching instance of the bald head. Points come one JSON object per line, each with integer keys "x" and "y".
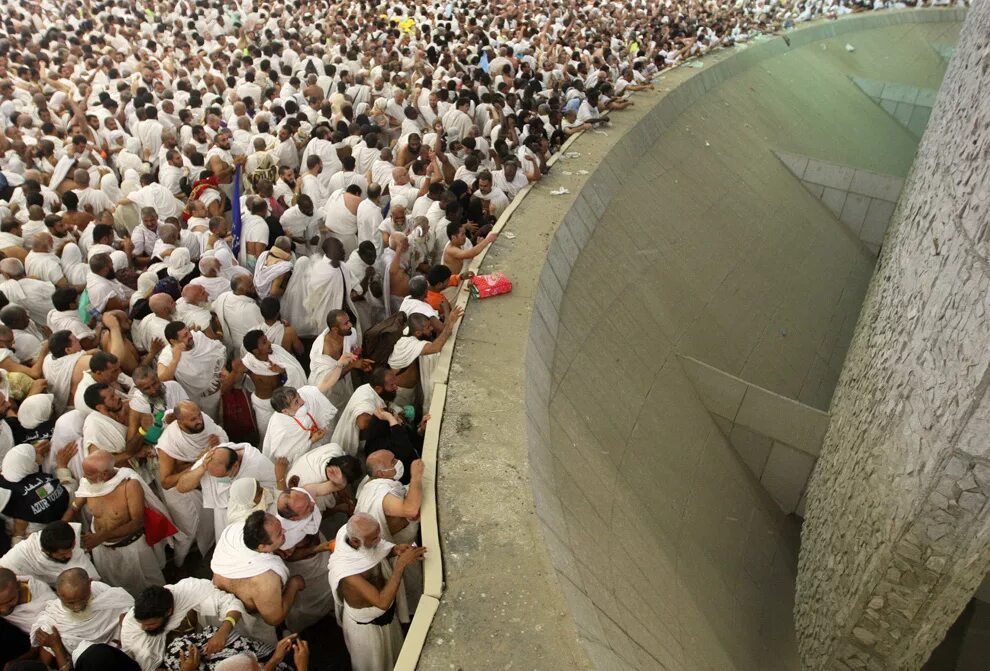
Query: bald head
{"x": 72, "y": 578}
{"x": 363, "y": 531}
{"x": 209, "y": 266}
{"x": 12, "y": 268}
{"x": 189, "y": 417}
{"x": 243, "y": 285}
{"x": 98, "y": 466}
{"x": 42, "y": 242}
{"x": 74, "y": 589}
{"x": 195, "y": 294}
{"x": 162, "y": 305}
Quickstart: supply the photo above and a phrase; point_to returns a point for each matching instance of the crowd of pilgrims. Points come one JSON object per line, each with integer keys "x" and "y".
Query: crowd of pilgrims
{"x": 231, "y": 237}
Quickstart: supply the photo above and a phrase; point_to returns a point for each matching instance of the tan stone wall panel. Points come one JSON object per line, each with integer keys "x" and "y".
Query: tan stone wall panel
{"x": 897, "y": 534}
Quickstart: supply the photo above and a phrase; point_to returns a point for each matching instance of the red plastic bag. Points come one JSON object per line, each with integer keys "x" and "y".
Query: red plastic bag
{"x": 483, "y": 286}
{"x": 157, "y": 527}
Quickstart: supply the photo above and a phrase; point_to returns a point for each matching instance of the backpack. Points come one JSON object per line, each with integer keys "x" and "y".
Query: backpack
{"x": 380, "y": 339}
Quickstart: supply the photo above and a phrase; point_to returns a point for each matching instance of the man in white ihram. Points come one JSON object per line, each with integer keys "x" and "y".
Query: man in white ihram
{"x": 218, "y": 469}
{"x": 364, "y": 587}
{"x": 46, "y": 553}
{"x": 84, "y": 612}
{"x": 245, "y": 564}
{"x": 396, "y": 508}
{"x": 182, "y": 443}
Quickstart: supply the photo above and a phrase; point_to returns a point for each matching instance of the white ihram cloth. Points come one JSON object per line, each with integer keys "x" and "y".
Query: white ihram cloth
{"x": 295, "y": 377}
{"x": 187, "y": 508}
{"x": 86, "y": 381}
{"x": 97, "y": 625}
{"x": 289, "y": 436}
{"x": 407, "y": 350}
{"x": 58, "y": 372}
{"x": 321, "y": 365}
{"x": 237, "y": 315}
{"x": 265, "y": 275}
{"x": 341, "y": 222}
{"x": 312, "y": 604}
{"x": 329, "y": 289}
{"x": 363, "y": 401}
{"x": 193, "y": 315}
{"x": 137, "y": 565}
{"x": 189, "y": 594}
{"x": 216, "y": 493}
{"x": 294, "y": 299}
{"x": 199, "y": 371}
{"x": 27, "y": 558}
{"x": 371, "y": 647}
{"x": 105, "y": 433}
{"x": 25, "y": 615}
{"x": 371, "y": 500}
{"x": 311, "y": 469}
{"x": 189, "y": 447}
{"x": 232, "y": 558}
{"x": 295, "y": 374}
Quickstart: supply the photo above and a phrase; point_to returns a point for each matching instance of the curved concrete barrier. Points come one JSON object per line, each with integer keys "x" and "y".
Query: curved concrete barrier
{"x": 669, "y": 555}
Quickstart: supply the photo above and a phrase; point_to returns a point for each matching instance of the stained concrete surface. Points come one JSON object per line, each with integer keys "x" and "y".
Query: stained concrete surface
{"x": 592, "y": 513}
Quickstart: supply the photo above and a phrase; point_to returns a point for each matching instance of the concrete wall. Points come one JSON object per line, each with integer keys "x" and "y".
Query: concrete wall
{"x": 609, "y": 508}
{"x": 897, "y": 536}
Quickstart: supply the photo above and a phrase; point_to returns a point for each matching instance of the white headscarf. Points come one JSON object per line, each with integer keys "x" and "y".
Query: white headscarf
{"x": 241, "y": 503}
{"x": 146, "y": 282}
{"x": 35, "y": 410}
{"x": 19, "y": 463}
{"x": 179, "y": 263}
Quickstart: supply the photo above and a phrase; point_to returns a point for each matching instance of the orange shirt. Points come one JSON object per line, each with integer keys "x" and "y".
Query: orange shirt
{"x": 435, "y": 299}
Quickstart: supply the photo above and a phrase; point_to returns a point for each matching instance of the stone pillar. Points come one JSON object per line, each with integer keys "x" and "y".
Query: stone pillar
{"x": 897, "y": 534}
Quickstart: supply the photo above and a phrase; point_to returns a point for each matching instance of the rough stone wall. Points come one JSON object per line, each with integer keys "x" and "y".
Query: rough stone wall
{"x": 897, "y": 534}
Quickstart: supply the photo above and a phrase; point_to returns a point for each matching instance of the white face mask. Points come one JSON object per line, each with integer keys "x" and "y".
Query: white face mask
{"x": 400, "y": 470}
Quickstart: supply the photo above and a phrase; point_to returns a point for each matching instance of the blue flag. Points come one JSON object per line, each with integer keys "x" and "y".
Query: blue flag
{"x": 484, "y": 61}
{"x": 235, "y": 212}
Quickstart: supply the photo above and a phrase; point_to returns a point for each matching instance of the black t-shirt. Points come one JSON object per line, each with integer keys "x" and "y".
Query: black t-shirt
{"x": 38, "y": 498}
{"x": 30, "y": 436}
{"x": 401, "y": 440}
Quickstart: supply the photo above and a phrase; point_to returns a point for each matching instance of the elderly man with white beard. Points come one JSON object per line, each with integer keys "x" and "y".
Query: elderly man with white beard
{"x": 122, "y": 546}
{"x": 150, "y": 401}
{"x": 85, "y": 611}
{"x": 365, "y": 586}
{"x": 303, "y": 549}
{"x": 182, "y": 443}
{"x": 194, "y": 361}
{"x": 46, "y": 553}
{"x": 194, "y": 310}
{"x": 218, "y": 469}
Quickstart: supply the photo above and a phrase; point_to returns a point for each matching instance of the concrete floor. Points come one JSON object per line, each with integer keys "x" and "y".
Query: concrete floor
{"x": 610, "y": 510}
